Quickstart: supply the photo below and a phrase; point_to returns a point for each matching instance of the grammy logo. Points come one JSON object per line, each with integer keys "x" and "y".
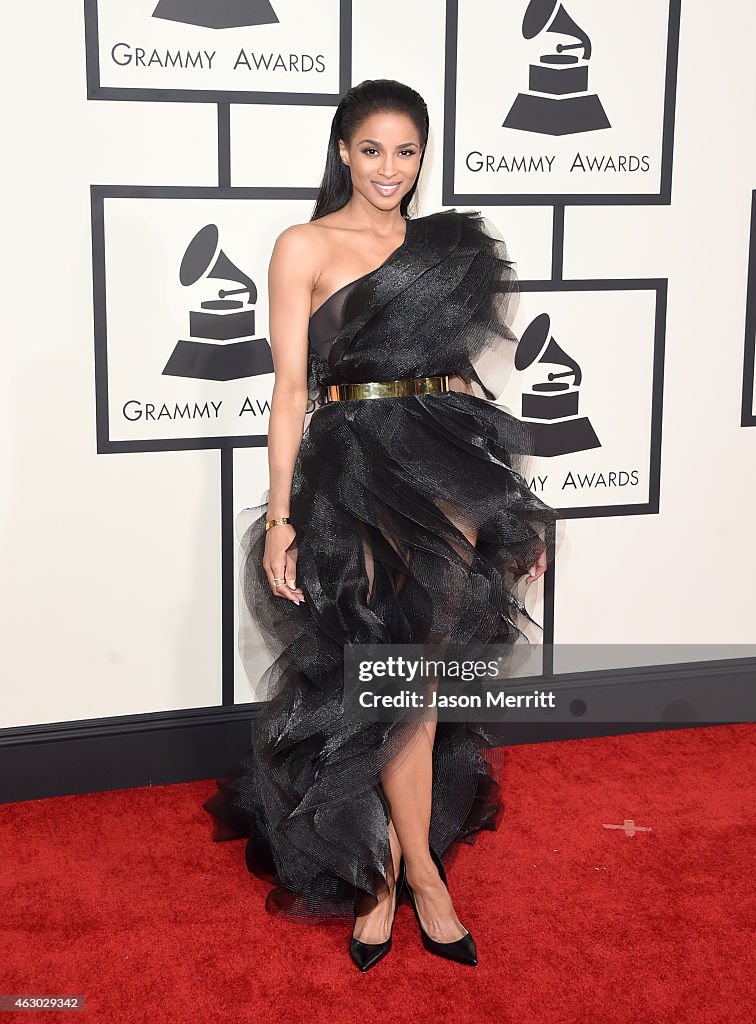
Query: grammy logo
{"x": 551, "y": 409}
{"x": 228, "y": 349}
{"x": 217, "y": 13}
{"x": 558, "y": 102}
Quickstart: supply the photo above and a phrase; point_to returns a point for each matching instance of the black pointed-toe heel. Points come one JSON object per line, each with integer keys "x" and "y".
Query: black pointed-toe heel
{"x": 463, "y": 950}
{"x": 367, "y": 954}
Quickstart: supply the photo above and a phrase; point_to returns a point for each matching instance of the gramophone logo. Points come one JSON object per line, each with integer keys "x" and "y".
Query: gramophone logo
{"x": 217, "y": 13}
{"x": 558, "y": 101}
{"x": 222, "y": 345}
{"x": 552, "y": 406}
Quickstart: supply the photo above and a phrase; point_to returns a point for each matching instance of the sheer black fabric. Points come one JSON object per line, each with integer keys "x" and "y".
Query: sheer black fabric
{"x": 414, "y": 523}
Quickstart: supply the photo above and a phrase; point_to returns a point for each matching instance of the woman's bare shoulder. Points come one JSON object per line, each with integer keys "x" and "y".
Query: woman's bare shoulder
{"x": 305, "y": 249}
{"x": 295, "y": 256}
{"x": 310, "y": 236}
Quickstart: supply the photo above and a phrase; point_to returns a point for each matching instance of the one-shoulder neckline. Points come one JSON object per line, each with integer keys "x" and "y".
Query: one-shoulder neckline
{"x": 362, "y": 277}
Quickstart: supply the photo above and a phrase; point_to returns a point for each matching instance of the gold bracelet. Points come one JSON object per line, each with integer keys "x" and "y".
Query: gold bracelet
{"x": 276, "y": 522}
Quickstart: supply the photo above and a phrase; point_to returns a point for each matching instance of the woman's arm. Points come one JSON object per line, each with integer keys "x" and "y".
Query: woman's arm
{"x": 457, "y": 383}
{"x": 290, "y": 282}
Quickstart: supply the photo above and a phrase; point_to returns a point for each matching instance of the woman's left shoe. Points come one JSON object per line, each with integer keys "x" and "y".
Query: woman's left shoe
{"x": 367, "y": 954}
{"x": 463, "y": 950}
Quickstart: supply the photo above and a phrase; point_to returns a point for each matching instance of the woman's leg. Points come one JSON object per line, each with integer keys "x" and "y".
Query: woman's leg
{"x": 374, "y": 924}
{"x": 407, "y": 784}
{"x": 408, "y": 790}
{"x": 373, "y": 920}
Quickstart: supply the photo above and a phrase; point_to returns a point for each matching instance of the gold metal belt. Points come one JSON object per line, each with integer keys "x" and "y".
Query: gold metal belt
{"x": 389, "y": 388}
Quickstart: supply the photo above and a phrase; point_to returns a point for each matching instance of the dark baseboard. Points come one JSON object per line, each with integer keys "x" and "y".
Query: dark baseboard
{"x": 127, "y": 751}
{"x": 121, "y": 752}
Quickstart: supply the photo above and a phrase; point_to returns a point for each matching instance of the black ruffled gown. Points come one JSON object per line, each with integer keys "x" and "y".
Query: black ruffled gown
{"x": 384, "y": 494}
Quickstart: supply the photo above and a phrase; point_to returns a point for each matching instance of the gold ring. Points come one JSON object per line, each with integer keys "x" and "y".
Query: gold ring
{"x": 279, "y": 579}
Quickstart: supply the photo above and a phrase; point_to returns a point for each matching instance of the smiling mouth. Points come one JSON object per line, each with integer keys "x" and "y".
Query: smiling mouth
{"x": 386, "y": 190}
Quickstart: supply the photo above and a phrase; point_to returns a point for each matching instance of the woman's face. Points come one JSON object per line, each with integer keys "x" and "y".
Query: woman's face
{"x": 383, "y": 158}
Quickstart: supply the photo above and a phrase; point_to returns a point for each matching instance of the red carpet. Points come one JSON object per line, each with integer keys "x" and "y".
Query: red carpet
{"x": 124, "y": 898}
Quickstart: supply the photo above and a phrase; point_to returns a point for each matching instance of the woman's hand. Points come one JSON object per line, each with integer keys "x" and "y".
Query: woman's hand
{"x": 538, "y": 569}
{"x": 281, "y": 565}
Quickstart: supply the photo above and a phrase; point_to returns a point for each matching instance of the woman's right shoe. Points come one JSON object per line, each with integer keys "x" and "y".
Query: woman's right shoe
{"x": 462, "y": 951}
{"x": 367, "y": 954}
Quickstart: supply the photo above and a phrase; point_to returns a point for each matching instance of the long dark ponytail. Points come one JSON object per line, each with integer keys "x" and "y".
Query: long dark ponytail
{"x": 370, "y": 97}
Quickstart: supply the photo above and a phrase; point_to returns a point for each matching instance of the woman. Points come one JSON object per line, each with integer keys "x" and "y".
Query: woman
{"x": 399, "y": 515}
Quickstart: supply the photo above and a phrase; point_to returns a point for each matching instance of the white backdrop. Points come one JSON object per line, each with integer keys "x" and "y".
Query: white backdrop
{"x": 111, "y": 596}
